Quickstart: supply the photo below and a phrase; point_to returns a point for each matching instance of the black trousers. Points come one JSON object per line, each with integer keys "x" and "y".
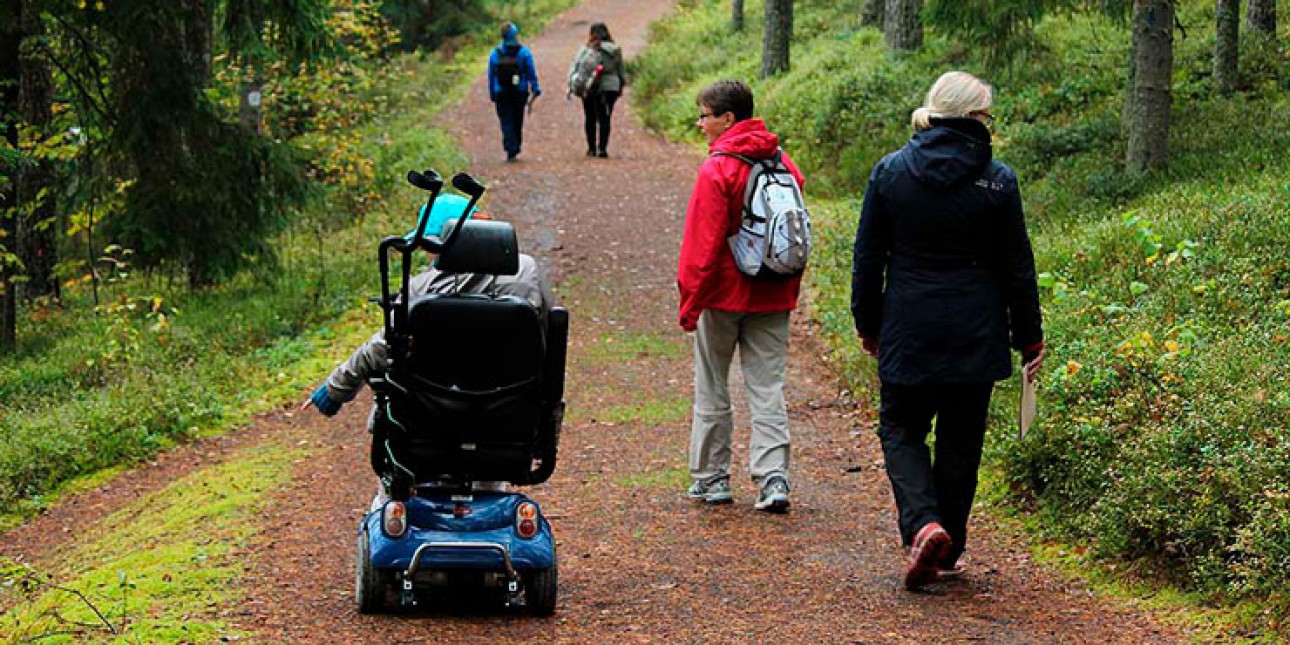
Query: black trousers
{"x": 510, "y": 111}
{"x": 940, "y": 489}
{"x": 597, "y": 110}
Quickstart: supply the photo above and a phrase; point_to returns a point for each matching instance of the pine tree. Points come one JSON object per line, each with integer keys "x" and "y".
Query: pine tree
{"x": 871, "y": 13}
{"x": 207, "y": 194}
{"x": 35, "y": 230}
{"x": 1227, "y": 45}
{"x": 1150, "y": 92}
{"x": 1261, "y": 18}
{"x": 1001, "y": 29}
{"x": 902, "y": 28}
{"x": 9, "y": 37}
{"x": 777, "y": 36}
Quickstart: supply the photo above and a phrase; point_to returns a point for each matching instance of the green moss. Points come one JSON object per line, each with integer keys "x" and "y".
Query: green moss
{"x": 159, "y": 569}
{"x": 619, "y": 347}
{"x": 646, "y": 412}
{"x": 665, "y": 479}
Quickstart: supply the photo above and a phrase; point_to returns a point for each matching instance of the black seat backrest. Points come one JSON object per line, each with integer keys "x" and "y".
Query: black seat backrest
{"x": 475, "y": 342}
{"x": 477, "y": 395}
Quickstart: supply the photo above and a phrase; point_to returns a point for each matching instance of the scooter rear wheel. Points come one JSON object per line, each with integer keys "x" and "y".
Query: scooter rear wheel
{"x": 369, "y": 589}
{"x": 540, "y": 590}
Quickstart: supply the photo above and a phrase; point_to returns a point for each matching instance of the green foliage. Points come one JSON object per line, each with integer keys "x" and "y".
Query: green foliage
{"x": 1163, "y": 432}
{"x": 1001, "y": 29}
{"x": 427, "y": 23}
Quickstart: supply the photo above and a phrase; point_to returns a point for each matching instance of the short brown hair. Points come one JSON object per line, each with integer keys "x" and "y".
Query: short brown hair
{"x": 728, "y": 96}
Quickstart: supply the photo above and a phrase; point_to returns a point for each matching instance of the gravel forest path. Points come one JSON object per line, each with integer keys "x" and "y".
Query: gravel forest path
{"x": 638, "y": 563}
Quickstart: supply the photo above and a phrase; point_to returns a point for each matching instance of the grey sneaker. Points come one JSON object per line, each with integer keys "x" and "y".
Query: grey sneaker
{"x": 774, "y": 496}
{"x": 718, "y": 492}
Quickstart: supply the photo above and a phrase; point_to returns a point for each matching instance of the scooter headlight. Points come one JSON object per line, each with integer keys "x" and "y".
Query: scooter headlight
{"x": 526, "y": 519}
{"x": 394, "y": 519}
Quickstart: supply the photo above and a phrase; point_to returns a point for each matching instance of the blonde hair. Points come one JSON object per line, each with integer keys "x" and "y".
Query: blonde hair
{"x": 954, "y": 94}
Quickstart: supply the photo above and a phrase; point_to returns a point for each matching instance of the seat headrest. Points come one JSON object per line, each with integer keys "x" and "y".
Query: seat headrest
{"x": 483, "y": 246}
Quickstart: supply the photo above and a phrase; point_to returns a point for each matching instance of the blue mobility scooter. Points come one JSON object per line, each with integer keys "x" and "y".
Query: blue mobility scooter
{"x": 472, "y": 392}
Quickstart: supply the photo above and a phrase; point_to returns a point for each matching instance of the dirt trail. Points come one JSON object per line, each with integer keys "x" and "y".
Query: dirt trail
{"x": 637, "y": 562}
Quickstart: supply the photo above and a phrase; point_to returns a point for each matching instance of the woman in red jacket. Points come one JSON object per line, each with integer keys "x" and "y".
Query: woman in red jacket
{"x": 729, "y": 309}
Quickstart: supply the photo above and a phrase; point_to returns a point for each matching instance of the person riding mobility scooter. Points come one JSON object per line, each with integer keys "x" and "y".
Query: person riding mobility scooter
{"x": 471, "y": 399}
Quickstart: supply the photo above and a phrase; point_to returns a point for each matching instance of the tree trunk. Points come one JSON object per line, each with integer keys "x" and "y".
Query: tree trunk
{"x": 1153, "y": 25}
{"x": 9, "y": 38}
{"x": 776, "y": 38}
{"x": 901, "y": 26}
{"x": 35, "y": 229}
{"x": 199, "y": 34}
{"x": 1130, "y": 89}
{"x": 872, "y": 12}
{"x": 1261, "y": 18}
{"x": 737, "y": 15}
{"x": 1227, "y": 45}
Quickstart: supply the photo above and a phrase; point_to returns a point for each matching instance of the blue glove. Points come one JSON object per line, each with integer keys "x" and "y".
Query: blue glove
{"x": 323, "y": 401}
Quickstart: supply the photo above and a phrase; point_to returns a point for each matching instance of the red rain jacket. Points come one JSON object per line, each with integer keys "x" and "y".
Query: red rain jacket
{"x": 706, "y": 274}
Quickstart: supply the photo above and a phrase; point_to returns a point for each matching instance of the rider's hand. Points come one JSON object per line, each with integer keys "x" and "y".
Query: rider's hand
{"x": 322, "y": 400}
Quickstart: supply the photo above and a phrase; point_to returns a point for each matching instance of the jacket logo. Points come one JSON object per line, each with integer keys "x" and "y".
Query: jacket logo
{"x": 989, "y": 185}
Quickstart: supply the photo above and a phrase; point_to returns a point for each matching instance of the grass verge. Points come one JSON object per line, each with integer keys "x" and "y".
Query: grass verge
{"x": 163, "y": 569}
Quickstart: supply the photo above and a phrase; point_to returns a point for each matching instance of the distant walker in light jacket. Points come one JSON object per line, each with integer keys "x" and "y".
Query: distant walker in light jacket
{"x": 598, "y": 104}
{"x": 512, "y": 78}
{"x": 730, "y": 310}
{"x": 943, "y": 283}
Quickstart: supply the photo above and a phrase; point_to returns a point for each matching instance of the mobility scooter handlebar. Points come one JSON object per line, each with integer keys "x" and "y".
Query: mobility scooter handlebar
{"x": 429, "y": 181}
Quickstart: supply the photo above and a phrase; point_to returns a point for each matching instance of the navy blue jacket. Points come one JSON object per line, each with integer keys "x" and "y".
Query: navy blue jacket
{"x": 943, "y": 275}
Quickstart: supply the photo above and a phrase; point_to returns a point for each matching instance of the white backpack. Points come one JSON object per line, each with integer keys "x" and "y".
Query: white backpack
{"x": 774, "y": 237}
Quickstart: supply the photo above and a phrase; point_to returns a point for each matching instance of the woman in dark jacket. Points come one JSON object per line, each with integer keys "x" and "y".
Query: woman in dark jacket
{"x": 943, "y": 283}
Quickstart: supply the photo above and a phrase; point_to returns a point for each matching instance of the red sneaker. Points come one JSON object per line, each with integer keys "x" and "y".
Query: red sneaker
{"x": 931, "y": 544}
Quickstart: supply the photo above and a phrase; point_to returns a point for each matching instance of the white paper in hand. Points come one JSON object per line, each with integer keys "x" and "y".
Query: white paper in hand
{"x": 1026, "y": 414}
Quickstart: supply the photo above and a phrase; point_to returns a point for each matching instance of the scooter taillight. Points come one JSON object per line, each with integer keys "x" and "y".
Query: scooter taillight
{"x": 394, "y": 519}
{"x": 526, "y": 524}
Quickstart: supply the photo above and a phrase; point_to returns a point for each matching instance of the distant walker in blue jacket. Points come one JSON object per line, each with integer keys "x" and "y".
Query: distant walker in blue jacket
{"x": 943, "y": 284}
{"x": 512, "y": 78}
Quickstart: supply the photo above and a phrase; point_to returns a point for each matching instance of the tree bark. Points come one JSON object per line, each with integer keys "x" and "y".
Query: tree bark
{"x": 1261, "y": 18}
{"x": 737, "y": 15}
{"x": 901, "y": 26}
{"x": 872, "y": 12}
{"x": 1227, "y": 45}
{"x": 1130, "y": 89}
{"x": 777, "y": 36}
{"x": 9, "y": 38}
{"x": 1153, "y": 24}
{"x": 35, "y": 230}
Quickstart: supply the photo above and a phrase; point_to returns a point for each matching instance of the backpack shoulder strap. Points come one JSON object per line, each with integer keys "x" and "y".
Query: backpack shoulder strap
{"x": 758, "y": 166}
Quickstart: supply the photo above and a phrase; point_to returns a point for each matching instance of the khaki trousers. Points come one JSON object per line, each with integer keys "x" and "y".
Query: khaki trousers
{"x": 762, "y": 339}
